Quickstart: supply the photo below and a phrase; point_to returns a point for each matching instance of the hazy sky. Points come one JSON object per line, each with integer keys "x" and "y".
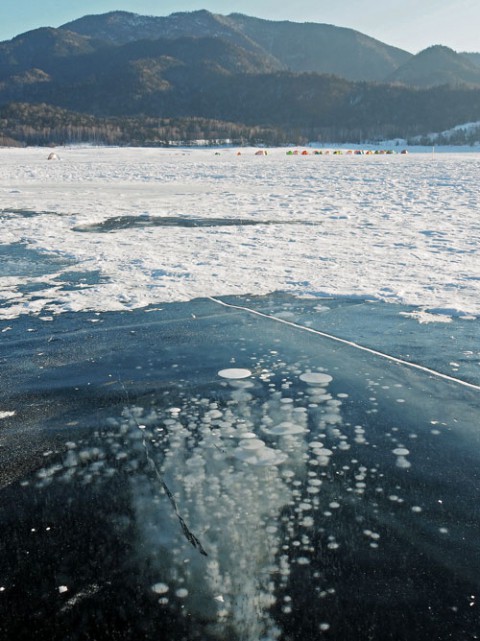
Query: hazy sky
{"x": 409, "y": 24}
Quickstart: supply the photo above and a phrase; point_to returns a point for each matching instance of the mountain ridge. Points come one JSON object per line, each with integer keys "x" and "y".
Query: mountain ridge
{"x": 322, "y": 48}
{"x": 316, "y": 45}
{"x": 438, "y": 65}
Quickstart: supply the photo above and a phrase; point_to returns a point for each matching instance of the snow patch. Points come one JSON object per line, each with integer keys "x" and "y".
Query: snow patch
{"x": 423, "y": 317}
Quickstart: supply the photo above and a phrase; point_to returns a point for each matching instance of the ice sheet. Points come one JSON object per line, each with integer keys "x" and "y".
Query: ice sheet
{"x": 199, "y": 472}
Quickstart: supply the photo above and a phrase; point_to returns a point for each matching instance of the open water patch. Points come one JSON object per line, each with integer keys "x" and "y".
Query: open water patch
{"x": 118, "y": 223}
{"x": 198, "y": 472}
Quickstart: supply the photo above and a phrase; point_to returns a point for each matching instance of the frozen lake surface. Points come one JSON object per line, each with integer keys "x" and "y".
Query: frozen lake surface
{"x": 158, "y": 226}
{"x": 240, "y": 397}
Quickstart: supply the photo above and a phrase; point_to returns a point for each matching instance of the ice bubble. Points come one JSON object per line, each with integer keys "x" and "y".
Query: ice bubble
{"x": 160, "y": 588}
{"x": 268, "y": 457}
{"x": 241, "y": 384}
{"x": 401, "y": 451}
{"x": 305, "y": 506}
{"x": 331, "y": 418}
{"x": 286, "y": 428}
{"x": 324, "y": 451}
{"x": 313, "y": 490}
{"x": 181, "y": 593}
{"x": 195, "y": 462}
{"x": 234, "y": 373}
{"x": 251, "y": 444}
{"x": 261, "y": 456}
{"x": 6, "y": 414}
{"x": 316, "y": 378}
{"x": 334, "y": 403}
{"x": 320, "y": 398}
{"x": 403, "y": 462}
{"x": 62, "y": 589}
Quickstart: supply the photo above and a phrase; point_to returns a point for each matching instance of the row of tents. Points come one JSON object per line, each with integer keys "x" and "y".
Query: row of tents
{"x": 334, "y": 152}
{"x": 341, "y": 152}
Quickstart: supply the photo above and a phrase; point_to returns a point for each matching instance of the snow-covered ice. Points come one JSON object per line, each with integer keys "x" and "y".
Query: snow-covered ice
{"x": 397, "y": 228}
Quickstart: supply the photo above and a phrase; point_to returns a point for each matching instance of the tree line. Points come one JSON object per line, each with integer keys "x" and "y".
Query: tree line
{"x": 44, "y": 125}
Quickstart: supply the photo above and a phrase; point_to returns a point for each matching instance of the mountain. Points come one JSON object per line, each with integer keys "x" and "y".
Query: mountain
{"x": 322, "y": 48}
{"x": 137, "y": 77}
{"x": 274, "y": 108}
{"x": 472, "y": 56}
{"x": 437, "y": 65}
{"x": 224, "y": 76}
{"x": 122, "y": 27}
{"x": 45, "y": 49}
{"x": 300, "y": 47}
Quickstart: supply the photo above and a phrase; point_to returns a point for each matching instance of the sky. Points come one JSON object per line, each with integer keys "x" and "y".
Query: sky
{"x": 409, "y": 24}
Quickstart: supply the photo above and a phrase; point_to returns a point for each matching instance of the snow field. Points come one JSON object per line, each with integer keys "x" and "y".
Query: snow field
{"x": 396, "y": 228}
